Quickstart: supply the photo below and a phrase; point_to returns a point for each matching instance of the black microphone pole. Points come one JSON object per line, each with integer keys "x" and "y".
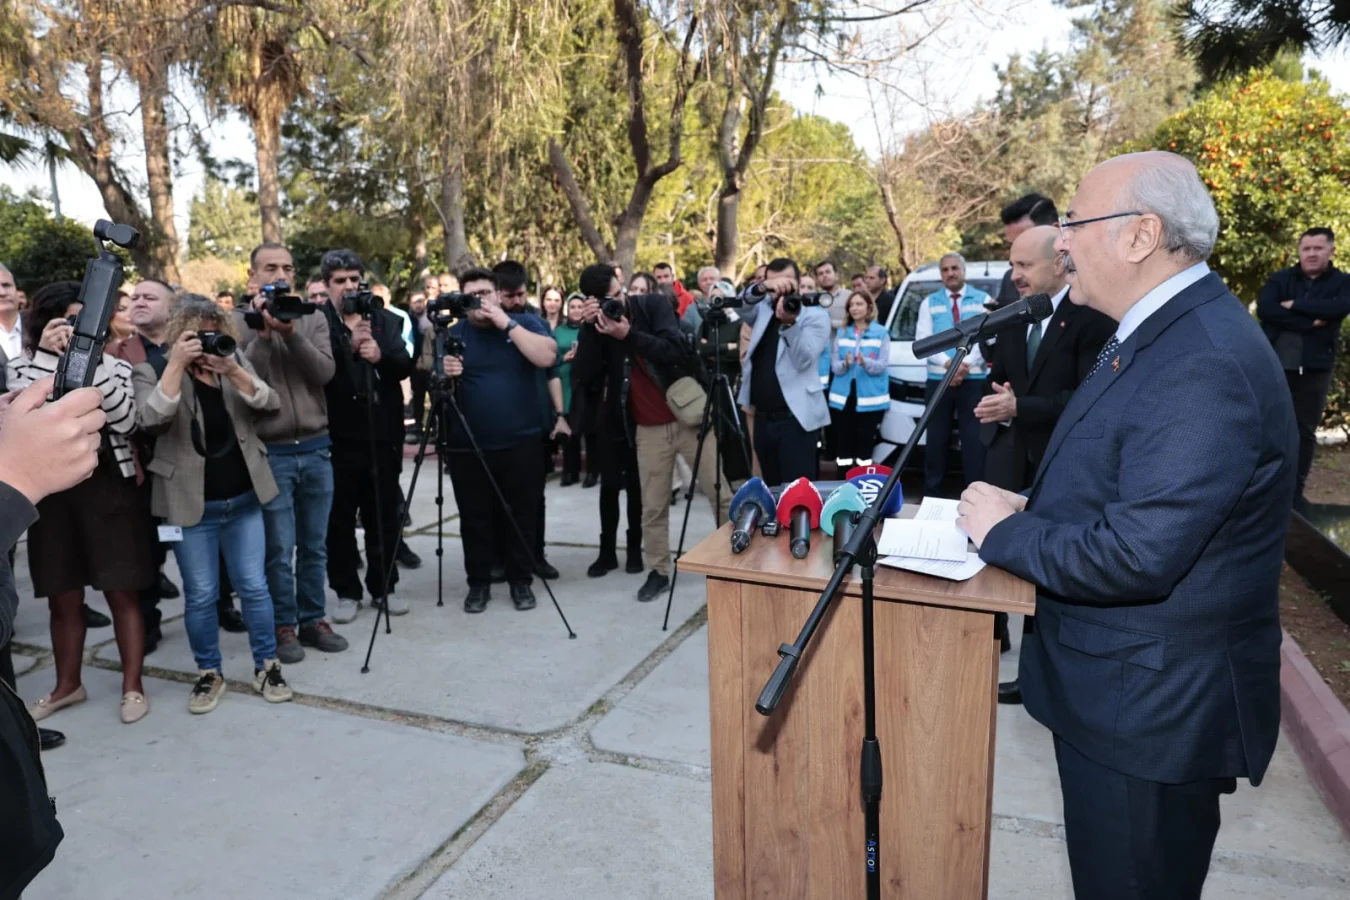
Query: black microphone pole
{"x": 862, "y": 549}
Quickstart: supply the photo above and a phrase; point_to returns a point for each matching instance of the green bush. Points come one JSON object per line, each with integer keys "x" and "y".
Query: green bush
{"x": 1337, "y": 413}
{"x": 37, "y": 248}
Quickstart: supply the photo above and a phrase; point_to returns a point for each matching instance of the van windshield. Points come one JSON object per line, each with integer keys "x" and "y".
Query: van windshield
{"x": 906, "y": 317}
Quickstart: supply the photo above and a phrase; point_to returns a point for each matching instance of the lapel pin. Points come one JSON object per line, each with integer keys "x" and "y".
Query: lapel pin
{"x": 1115, "y": 364}
{"x": 1063, "y": 324}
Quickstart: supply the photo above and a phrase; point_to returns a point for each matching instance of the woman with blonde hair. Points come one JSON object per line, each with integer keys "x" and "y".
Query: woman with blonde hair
{"x": 860, "y": 391}
{"x": 211, "y": 478}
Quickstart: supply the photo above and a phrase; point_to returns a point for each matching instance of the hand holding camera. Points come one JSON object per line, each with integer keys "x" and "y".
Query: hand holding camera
{"x": 452, "y": 366}
{"x": 185, "y": 351}
{"x": 56, "y": 336}
{"x": 47, "y": 447}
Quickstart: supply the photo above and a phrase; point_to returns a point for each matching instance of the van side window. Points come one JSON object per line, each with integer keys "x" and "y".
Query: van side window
{"x": 906, "y": 313}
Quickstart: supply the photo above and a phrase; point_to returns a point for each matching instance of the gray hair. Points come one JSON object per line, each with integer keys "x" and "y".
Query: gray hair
{"x": 716, "y": 271}
{"x": 953, "y": 255}
{"x": 1168, "y": 186}
{"x": 4, "y": 268}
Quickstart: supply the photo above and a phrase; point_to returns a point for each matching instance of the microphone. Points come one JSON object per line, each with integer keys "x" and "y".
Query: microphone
{"x": 869, "y": 481}
{"x": 801, "y": 505}
{"x": 752, "y": 505}
{"x": 836, "y": 518}
{"x": 1023, "y": 312}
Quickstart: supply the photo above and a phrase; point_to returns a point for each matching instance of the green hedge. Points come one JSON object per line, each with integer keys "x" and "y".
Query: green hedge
{"x": 1337, "y": 414}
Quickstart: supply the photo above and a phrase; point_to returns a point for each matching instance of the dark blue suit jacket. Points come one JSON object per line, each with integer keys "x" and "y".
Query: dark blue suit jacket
{"x": 1155, "y": 533}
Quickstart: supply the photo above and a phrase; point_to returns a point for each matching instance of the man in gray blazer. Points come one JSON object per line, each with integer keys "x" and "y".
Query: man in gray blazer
{"x": 780, "y": 380}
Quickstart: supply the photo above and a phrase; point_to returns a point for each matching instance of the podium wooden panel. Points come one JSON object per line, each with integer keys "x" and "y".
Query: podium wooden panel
{"x": 787, "y": 806}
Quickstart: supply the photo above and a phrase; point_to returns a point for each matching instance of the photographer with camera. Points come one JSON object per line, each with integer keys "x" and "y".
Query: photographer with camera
{"x": 289, "y": 347}
{"x": 211, "y": 479}
{"x": 780, "y": 380}
{"x": 496, "y": 374}
{"x": 365, "y": 423}
{"x": 96, "y": 534}
{"x": 633, "y": 346}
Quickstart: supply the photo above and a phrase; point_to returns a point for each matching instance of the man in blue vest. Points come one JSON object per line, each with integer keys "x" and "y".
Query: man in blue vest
{"x": 942, "y": 310}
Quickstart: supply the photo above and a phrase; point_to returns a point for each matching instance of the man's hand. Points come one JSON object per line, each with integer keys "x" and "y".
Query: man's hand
{"x": 285, "y": 329}
{"x": 998, "y": 406}
{"x": 369, "y": 350}
{"x": 617, "y": 329}
{"x": 452, "y": 366}
{"x": 961, "y": 373}
{"x": 1287, "y": 304}
{"x": 780, "y": 283}
{"x": 56, "y": 336}
{"x": 496, "y": 316}
{"x": 982, "y": 507}
{"x": 46, "y": 447}
{"x": 590, "y": 309}
{"x": 560, "y": 426}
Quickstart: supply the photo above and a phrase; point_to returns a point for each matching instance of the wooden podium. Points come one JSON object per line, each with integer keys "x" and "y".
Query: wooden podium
{"x": 787, "y": 807}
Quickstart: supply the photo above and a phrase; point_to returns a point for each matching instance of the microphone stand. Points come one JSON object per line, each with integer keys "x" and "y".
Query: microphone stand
{"x": 862, "y": 550}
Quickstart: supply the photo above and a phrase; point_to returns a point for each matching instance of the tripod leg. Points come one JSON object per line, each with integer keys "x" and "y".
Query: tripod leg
{"x": 440, "y": 528}
{"x": 688, "y": 504}
{"x": 383, "y": 609}
{"x": 501, "y": 498}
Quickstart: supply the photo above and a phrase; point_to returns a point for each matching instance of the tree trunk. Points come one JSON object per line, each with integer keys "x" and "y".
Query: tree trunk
{"x": 418, "y": 227}
{"x": 728, "y": 233}
{"x": 153, "y": 80}
{"x": 581, "y": 209}
{"x": 893, "y": 217}
{"x": 56, "y": 191}
{"x": 267, "y": 134}
{"x": 457, "y": 256}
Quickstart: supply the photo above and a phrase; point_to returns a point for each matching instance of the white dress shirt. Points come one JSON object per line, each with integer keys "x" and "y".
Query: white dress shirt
{"x": 1155, "y": 299}
{"x": 11, "y": 341}
{"x": 1054, "y": 308}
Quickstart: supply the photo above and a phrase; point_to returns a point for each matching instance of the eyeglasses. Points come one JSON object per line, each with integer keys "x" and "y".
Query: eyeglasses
{"x": 1066, "y": 223}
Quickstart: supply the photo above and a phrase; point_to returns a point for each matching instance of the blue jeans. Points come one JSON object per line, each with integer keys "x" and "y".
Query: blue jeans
{"x": 230, "y": 529}
{"x": 297, "y": 523}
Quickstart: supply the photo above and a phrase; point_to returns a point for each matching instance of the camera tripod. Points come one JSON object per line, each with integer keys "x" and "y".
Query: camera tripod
{"x": 720, "y": 407}
{"x": 442, "y": 395}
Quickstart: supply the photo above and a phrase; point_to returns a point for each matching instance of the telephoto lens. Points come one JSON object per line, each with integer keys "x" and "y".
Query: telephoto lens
{"x": 613, "y": 308}
{"x": 216, "y": 343}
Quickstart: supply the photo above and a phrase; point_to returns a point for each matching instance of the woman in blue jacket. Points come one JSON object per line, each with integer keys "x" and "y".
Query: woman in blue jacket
{"x": 859, "y": 392}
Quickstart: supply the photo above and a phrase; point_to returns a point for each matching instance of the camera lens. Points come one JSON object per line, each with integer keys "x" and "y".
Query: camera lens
{"x": 216, "y": 343}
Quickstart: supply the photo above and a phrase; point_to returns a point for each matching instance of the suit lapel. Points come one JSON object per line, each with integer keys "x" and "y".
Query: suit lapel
{"x": 1203, "y": 291}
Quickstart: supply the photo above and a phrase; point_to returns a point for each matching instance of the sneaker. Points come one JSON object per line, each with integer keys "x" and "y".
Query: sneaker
{"x": 268, "y": 682}
{"x": 545, "y": 569}
{"x": 206, "y": 692}
{"x": 406, "y": 558}
{"x": 522, "y": 597}
{"x": 478, "y": 598}
{"x": 289, "y": 650}
{"x": 605, "y": 563}
{"x": 656, "y": 585}
{"x": 320, "y": 636}
{"x": 345, "y": 610}
{"x": 397, "y": 605}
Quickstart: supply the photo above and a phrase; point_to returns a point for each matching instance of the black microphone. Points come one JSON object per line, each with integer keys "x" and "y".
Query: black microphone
{"x": 1021, "y": 313}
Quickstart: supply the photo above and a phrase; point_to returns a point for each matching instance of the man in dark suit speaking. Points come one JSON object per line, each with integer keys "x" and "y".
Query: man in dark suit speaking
{"x": 1034, "y": 375}
{"x": 1154, "y": 531}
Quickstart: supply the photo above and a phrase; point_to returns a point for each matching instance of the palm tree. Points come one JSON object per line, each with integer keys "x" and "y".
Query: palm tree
{"x": 1231, "y": 36}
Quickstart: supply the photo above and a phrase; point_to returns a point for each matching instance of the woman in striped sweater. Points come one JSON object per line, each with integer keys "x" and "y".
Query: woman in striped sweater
{"x": 97, "y": 534}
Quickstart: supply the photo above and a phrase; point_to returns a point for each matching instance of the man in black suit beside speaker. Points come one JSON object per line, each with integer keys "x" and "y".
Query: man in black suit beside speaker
{"x": 1036, "y": 371}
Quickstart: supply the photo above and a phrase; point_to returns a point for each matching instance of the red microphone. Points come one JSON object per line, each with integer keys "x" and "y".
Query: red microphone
{"x": 800, "y": 505}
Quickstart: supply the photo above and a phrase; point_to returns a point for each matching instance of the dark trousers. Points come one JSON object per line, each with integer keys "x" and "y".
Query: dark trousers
{"x": 520, "y": 477}
{"x": 1131, "y": 839}
{"x": 621, "y": 475}
{"x": 572, "y": 454}
{"x": 786, "y": 450}
{"x": 376, "y": 499}
{"x": 420, "y": 382}
{"x": 855, "y": 433}
{"x": 1309, "y": 392}
{"x": 957, "y": 405}
{"x": 7, "y": 668}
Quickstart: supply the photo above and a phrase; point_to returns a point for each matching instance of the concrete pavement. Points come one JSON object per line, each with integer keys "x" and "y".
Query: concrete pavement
{"x": 490, "y": 756}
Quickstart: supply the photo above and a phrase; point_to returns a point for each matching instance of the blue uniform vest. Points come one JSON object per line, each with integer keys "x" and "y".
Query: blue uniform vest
{"x": 874, "y": 393}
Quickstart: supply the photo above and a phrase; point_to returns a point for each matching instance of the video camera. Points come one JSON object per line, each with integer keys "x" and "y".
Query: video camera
{"x": 361, "y": 302}
{"x": 446, "y": 308}
{"x": 98, "y": 294}
{"x": 280, "y": 304}
{"x": 446, "y": 344}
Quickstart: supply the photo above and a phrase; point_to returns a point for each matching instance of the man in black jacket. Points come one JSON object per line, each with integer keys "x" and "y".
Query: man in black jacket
{"x": 1022, "y": 214}
{"x": 1300, "y": 309}
{"x": 365, "y": 417}
{"x": 45, "y": 448}
{"x": 1036, "y": 371}
{"x": 636, "y": 358}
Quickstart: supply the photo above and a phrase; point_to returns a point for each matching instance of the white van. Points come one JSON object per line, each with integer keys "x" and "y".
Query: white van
{"x": 907, "y": 374}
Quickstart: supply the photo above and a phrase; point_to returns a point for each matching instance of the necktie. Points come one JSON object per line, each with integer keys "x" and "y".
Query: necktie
{"x": 1033, "y": 343}
{"x": 1110, "y": 347}
{"x": 956, "y": 308}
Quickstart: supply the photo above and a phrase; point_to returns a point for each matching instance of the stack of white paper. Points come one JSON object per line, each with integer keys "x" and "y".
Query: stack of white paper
{"x": 929, "y": 543}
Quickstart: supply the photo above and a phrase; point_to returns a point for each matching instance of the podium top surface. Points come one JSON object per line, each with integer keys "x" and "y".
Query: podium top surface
{"x": 770, "y": 561}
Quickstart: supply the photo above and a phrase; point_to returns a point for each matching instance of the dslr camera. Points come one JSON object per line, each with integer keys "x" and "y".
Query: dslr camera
{"x": 217, "y": 343}
{"x": 793, "y": 303}
{"x": 361, "y": 302}
{"x": 614, "y": 308}
{"x": 280, "y": 304}
{"x": 447, "y": 308}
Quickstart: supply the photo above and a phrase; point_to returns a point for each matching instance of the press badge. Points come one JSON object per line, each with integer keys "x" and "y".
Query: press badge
{"x": 169, "y": 534}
